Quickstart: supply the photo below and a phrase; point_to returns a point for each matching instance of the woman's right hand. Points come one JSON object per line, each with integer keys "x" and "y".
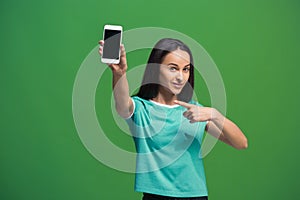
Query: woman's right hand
{"x": 118, "y": 69}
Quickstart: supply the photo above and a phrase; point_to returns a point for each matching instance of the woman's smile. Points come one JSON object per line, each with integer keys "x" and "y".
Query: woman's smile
{"x": 178, "y": 85}
{"x": 175, "y": 71}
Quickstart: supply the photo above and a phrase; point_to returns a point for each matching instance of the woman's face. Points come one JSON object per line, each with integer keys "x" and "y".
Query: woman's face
{"x": 175, "y": 71}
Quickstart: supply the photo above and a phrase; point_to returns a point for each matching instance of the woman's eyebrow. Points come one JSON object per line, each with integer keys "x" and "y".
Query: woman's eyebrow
{"x": 173, "y": 64}
{"x": 177, "y": 64}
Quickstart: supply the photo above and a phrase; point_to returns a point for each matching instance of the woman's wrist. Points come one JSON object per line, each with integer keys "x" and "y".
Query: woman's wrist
{"x": 217, "y": 117}
{"x": 118, "y": 73}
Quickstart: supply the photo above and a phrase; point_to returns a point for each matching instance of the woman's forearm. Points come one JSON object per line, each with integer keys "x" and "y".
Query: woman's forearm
{"x": 123, "y": 102}
{"x": 231, "y": 131}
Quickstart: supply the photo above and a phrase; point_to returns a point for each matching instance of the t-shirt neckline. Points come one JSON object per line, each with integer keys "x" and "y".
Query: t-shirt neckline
{"x": 164, "y": 105}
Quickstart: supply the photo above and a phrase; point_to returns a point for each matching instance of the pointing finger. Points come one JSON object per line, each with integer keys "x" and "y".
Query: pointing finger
{"x": 184, "y": 104}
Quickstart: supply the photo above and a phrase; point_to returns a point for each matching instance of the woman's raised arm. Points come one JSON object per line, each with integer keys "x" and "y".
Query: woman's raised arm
{"x": 123, "y": 102}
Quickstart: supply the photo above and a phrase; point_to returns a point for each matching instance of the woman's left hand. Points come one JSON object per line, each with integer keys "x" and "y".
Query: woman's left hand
{"x": 218, "y": 125}
{"x": 196, "y": 113}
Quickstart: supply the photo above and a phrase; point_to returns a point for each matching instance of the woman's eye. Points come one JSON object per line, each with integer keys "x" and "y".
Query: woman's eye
{"x": 173, "y": 69}
{"x": 186, "y": 69}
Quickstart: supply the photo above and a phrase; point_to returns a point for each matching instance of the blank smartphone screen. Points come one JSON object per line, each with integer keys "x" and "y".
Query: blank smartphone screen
{"x": 111, "y": 44}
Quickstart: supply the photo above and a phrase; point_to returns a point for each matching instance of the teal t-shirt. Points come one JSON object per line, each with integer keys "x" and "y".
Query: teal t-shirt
{"x": 168, "y": 150}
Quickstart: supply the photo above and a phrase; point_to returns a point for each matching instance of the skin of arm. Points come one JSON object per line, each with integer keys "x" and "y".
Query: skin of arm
{"x": 123, "y": 102}
{"x": 218, "y": 125}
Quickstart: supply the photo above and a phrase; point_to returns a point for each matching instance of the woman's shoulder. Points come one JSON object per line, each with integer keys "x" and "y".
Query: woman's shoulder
{"x": 138, "y": 101}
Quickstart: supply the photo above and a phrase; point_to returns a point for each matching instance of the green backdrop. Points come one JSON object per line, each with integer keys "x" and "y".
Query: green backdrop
{"x": 255, "y": 45}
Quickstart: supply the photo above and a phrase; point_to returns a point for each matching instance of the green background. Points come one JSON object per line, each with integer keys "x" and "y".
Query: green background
{"x": 255, "y": 45}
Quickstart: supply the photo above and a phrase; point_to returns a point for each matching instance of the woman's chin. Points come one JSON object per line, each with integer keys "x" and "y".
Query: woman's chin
{"x": 172, "y": 90}
{"x": 176, "y": 91}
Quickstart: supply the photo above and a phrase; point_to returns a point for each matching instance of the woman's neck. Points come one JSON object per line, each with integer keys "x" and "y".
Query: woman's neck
{"x": 165, "y": 97}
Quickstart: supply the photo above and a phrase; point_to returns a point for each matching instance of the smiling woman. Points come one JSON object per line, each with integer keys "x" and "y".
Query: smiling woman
{"x": 169, "y": 54}
{"x": 167, "y": 125}
{"x": 174, "y": 73}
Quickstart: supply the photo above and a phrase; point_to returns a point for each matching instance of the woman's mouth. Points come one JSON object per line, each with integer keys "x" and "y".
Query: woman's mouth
{"x": 178, "y": 85}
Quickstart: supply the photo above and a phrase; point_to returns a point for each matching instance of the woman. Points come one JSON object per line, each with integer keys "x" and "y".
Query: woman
{"x": 167, "y": 126}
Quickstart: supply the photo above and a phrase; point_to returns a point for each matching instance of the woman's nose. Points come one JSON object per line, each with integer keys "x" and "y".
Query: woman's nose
{"x": 179, "y": 76}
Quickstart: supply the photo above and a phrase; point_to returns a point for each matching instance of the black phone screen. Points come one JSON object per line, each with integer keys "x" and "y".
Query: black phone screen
{"x": 111, "y": 44}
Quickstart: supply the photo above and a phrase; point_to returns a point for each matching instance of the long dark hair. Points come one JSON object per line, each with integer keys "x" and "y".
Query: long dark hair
{"x": 149, "y": 87}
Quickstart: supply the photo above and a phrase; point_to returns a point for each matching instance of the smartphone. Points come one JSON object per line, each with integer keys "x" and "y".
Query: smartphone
{"x": 112, "y": 35}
